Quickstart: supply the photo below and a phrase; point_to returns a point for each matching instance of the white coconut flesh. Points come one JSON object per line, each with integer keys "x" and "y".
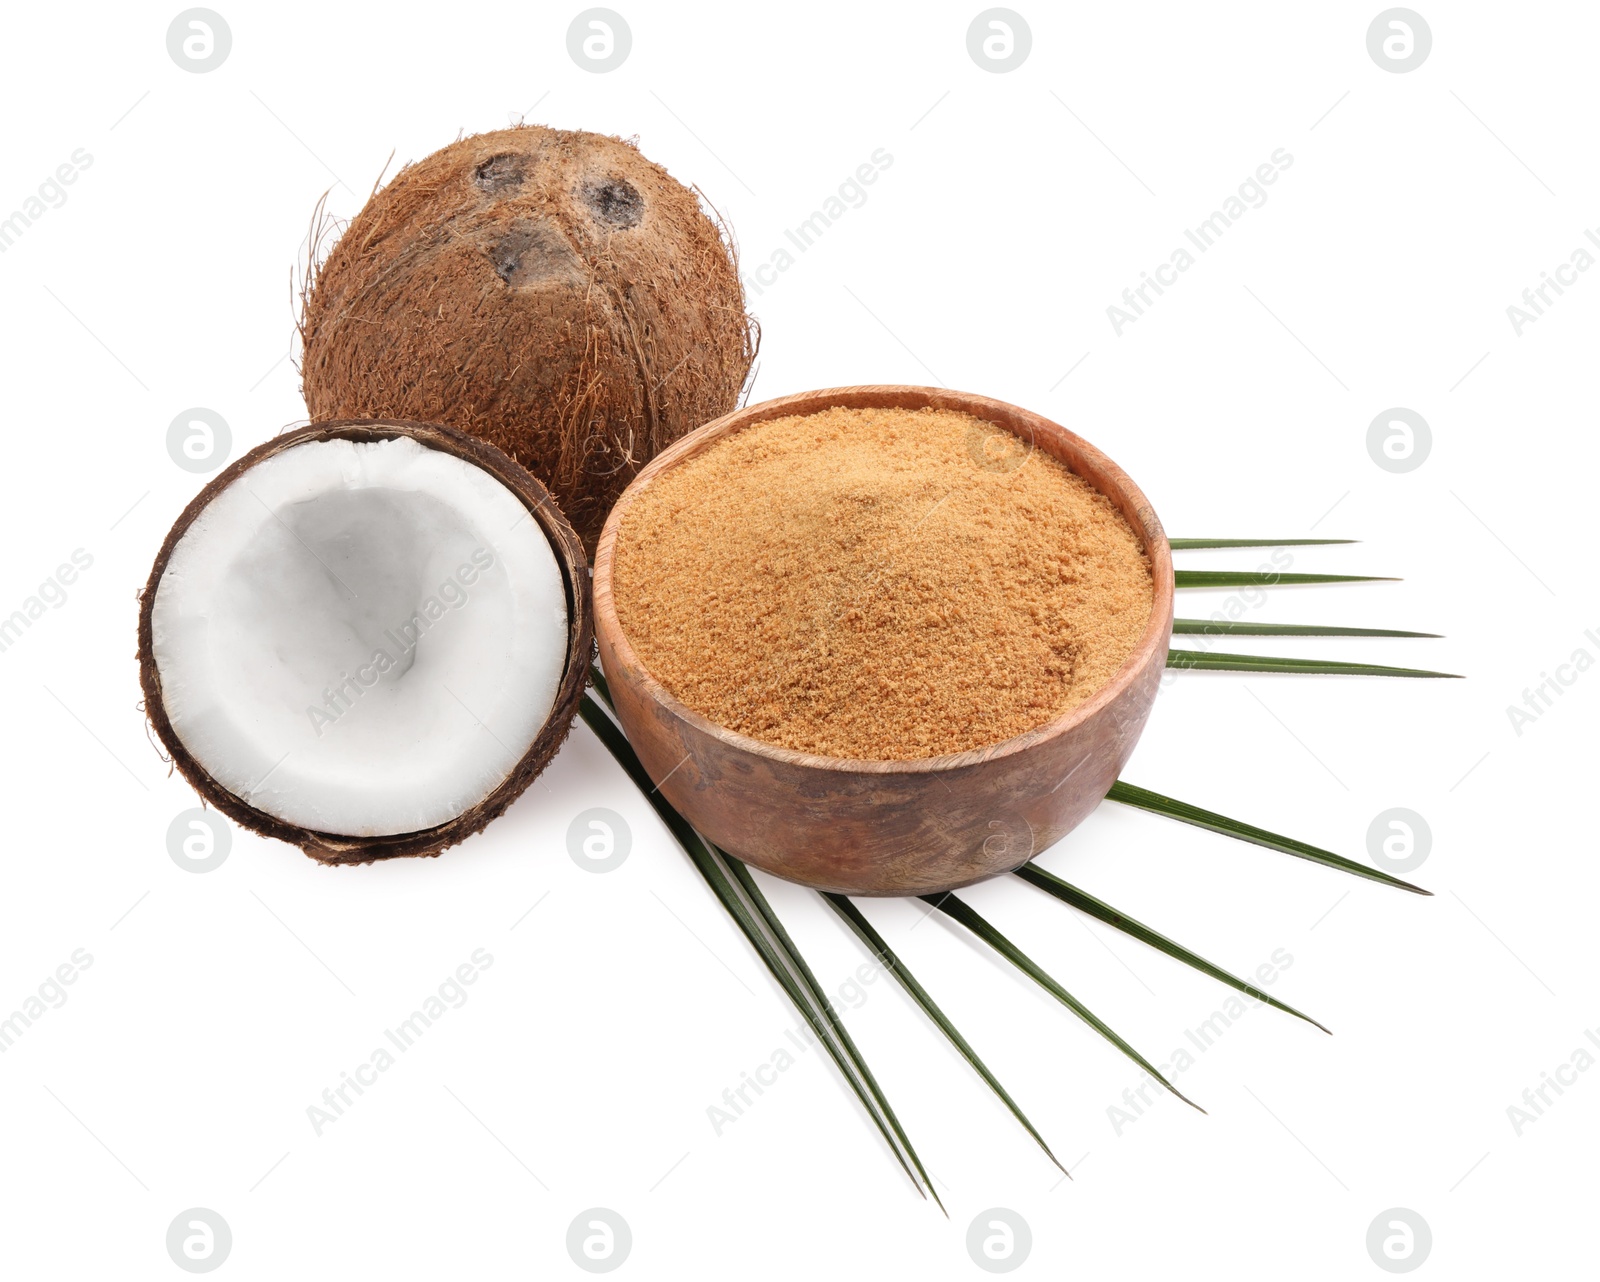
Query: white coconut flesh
{"x": 361, "y": 638}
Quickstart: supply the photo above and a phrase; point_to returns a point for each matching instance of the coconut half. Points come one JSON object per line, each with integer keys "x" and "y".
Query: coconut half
{"x": 366, "y": 638}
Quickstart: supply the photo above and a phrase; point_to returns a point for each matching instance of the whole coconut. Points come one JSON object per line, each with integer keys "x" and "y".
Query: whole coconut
{"x": 554, "y": 293}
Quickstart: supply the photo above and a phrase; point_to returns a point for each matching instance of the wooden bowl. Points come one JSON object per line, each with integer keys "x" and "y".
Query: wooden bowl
{"x": 889, "y": 827}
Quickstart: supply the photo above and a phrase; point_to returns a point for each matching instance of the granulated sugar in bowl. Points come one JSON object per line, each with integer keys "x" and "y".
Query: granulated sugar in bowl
{"x": 883, "y": 640}
{"x": 864, "y": 583}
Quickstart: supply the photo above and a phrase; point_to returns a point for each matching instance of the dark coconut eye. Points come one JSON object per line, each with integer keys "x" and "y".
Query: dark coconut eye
{"x": 501, "y": 173}
{"x": 614, "y": 201}
{"x": 529, "y": 252}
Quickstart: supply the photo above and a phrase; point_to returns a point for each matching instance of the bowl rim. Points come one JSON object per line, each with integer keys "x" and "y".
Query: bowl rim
{"x": 1146, "y": 525}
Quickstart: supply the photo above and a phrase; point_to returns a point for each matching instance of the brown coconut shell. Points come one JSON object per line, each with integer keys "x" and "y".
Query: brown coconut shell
{"x": 332, "y": 848}
{"x": 553, "y": 293}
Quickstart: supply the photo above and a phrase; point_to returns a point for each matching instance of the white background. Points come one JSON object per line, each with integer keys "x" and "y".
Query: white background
{"x": 219, "y": 1006}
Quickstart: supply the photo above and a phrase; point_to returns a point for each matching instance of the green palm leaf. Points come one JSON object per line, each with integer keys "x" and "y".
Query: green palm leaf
{"x": 959, "y": 911}
{"x": 1217, "y": 627}
{"x": 776, "y": 950}
{"x": 1142, "y": 798}
{"x": 1100, "y": 910}
{"x": 818, "y": 998}
{"x": 1264, "y": 578}
{"x": 1202, "y": 661}
{"x": 1183, "y": 545}
{"x": 880, "y": 949}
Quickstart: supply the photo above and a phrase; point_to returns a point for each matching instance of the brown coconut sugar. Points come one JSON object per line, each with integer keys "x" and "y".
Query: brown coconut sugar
{"x": 881, "y": 584}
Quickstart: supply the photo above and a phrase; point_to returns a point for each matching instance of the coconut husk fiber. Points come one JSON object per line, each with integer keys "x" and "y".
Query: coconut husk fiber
{"x": 553, "y": 293}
